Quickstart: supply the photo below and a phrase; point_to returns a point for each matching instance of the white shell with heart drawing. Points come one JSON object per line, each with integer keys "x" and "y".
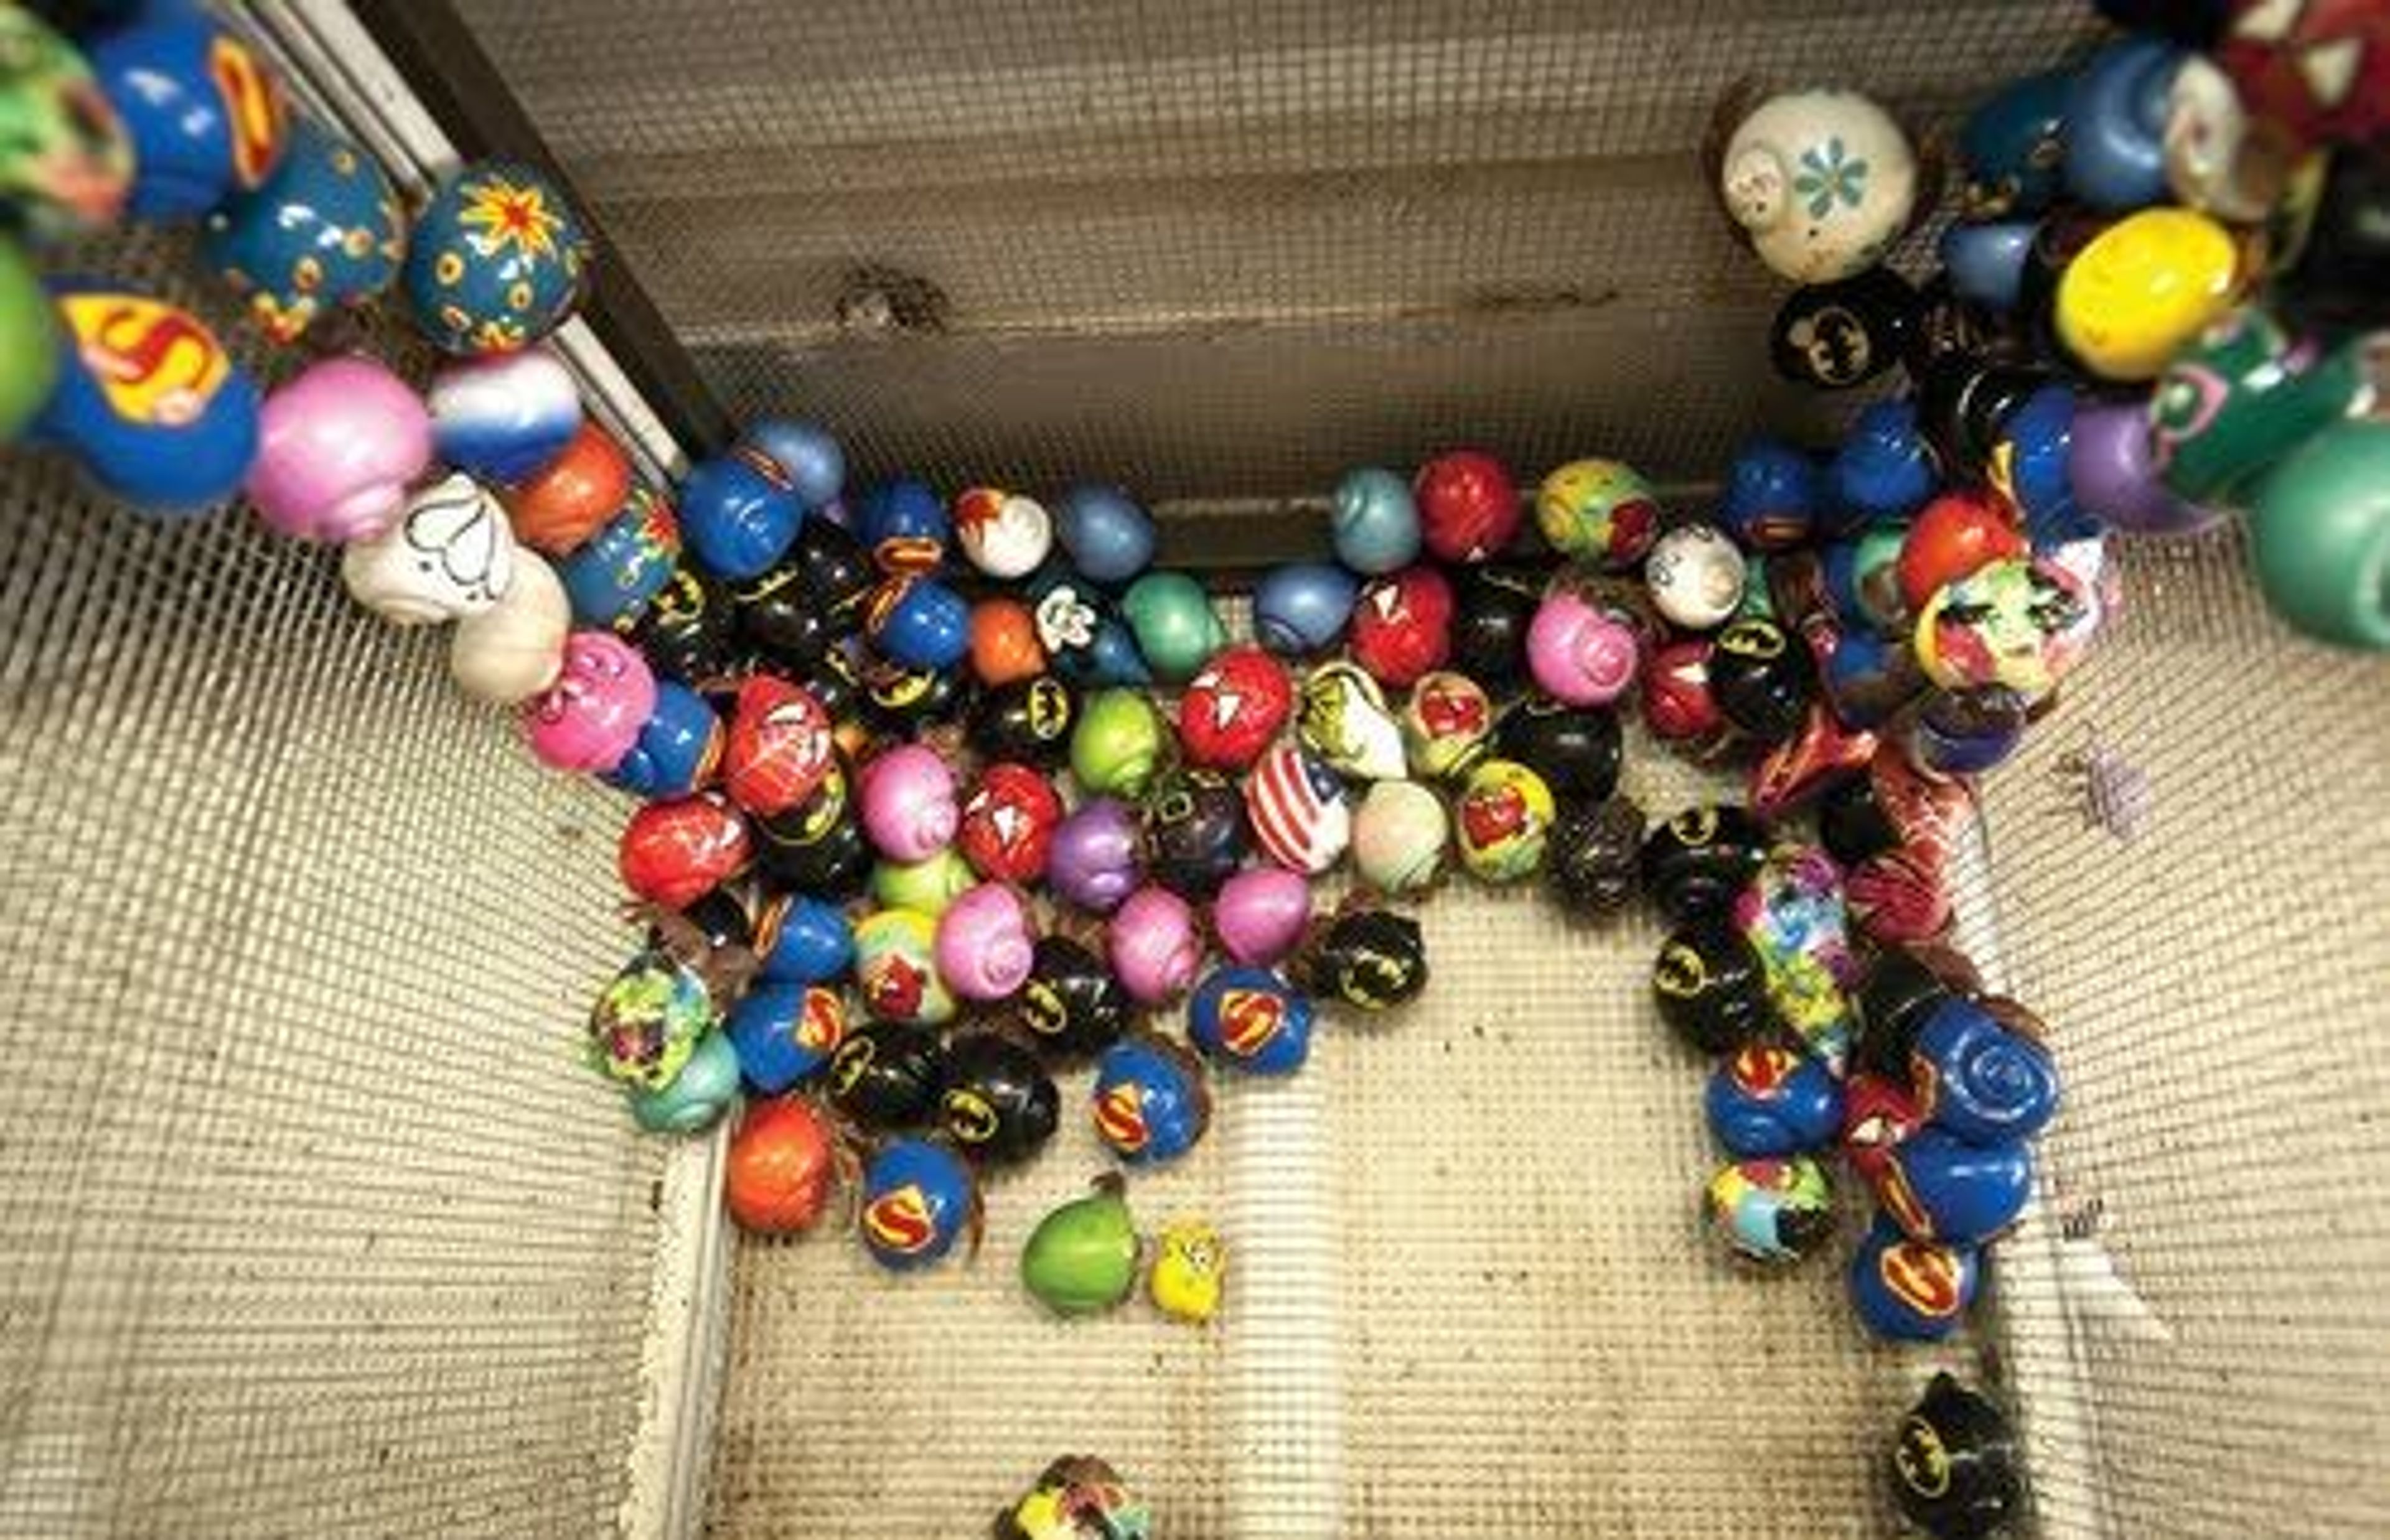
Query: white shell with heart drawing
{"x": 451, "y": 554}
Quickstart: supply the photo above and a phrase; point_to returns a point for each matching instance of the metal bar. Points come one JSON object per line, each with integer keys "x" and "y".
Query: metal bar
{"x": 444, "y": 66}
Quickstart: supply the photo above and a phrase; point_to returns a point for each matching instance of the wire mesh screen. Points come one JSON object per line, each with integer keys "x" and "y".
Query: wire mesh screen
{"x": 1219, "y": 249}
{"x": 1470, "y": 1294}
{"x": 316, "y": 1223}
{"x": 2211, "y": 955}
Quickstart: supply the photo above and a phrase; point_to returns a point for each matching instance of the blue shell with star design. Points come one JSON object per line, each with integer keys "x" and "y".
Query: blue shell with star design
{"x": 497, "y": 260}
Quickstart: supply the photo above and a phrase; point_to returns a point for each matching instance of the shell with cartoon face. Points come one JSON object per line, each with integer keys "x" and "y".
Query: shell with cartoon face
{"x": 1190, "y": 1267}
{"x": 1344, "y": 720}
{"x": 897, "y": 971}
{"x": 1503, "y": 819}
{"x": 647, "y": 1021}
{"x": 2018, "y": 625}
{"x": 450, "y": 555}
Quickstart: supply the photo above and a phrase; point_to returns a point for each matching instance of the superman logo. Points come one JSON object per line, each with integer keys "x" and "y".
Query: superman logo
{"x": 900, "y": 1221}
{"x": 1899, "y": 1200}
{"x": 883, "y": 601}
{"x": 1250, "y": 1019}
{"x": 154, "y": 363}
{"x": 821, "y": 1025}
{"x": 1927, "y": 1078}
{"x": 252, "y": 109}
{"x": 762, "y": 465}
{"x": 1120, "y": 1117}
{"x": 768, "y": 925}
{"x": 1924, "y": 1277}
{"x": 909, "y": 556}
{"x": 1762, "y": 1072}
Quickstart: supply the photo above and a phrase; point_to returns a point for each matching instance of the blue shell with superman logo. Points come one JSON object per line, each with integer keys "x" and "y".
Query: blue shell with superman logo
{"x": 919, "y": 1198}
{"x": 1150, "y": 1102}
{"x": 786, "y": 1032}
{"x": 1251, "y": 1019}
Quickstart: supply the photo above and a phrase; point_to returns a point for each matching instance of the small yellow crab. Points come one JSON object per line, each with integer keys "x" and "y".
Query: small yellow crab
{"x": 1189, "y": 1267}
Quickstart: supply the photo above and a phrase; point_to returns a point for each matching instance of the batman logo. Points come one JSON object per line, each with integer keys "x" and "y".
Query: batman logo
{"x": 1835, "y": 344}
{"x": 1375, "y": 979}
{"x": 898, "y": 691}
{"x": 854, "y": 1058}
{"x": 1680, "y": 971}
{"x": 969, "y": 1117}
{"x": 900, "y": 1221}
{"x": 1924, "y": 1464}
{"x": 1049, "y": 709}
{"x": 1041, "y": 1003}
{"x": 685, "y": 590}
{"x": 1120, "y": 1117}
{"x": 1923, "y": 1277}
{"x": 1695, "y": 827}
{"x": 1756, "y": 639}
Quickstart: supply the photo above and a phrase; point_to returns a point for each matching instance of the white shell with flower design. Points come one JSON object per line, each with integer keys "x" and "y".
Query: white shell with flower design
{"x": 1823, "y": 180}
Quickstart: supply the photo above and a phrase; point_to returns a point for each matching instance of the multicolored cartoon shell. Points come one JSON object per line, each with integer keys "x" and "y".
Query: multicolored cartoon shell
{"x": 1772, "y": 1212}
{"x": 1793, "y": 918}
{"x": 647, "y": 1019}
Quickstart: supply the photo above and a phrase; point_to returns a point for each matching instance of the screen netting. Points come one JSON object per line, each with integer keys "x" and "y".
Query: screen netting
{"x": 315, "y": 1222}
{"x": 1217, "y": 248}
{"x": 318, "y": 1227}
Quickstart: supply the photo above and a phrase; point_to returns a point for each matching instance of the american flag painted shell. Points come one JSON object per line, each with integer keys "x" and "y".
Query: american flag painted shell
{"x": 1298, "y": 808}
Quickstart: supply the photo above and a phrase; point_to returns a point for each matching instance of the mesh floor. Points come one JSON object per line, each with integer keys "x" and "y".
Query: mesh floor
{"x": 316, "y": 1222}
{"x": 1470, "y": 1296}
